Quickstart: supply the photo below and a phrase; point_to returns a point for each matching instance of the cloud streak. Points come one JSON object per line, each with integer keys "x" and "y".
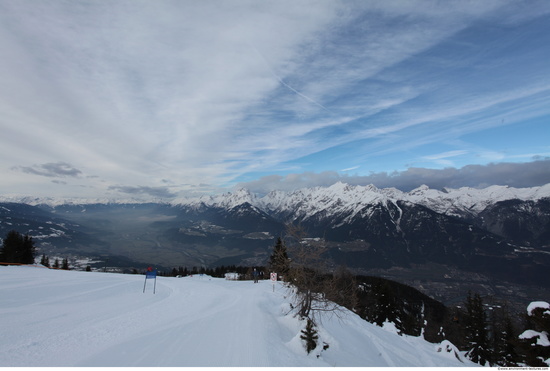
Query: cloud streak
{"x": 51, "y": 170}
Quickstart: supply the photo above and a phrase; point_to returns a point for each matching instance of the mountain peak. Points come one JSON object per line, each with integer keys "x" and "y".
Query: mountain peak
{"x": 419, "y": 190}
{"x": 239, "y": 197}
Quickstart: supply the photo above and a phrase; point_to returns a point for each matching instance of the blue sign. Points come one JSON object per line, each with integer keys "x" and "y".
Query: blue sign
{"x": 151, "y": 273}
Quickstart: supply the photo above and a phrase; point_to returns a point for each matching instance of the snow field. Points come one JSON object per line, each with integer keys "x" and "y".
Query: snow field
{"x": 68, "y": 318}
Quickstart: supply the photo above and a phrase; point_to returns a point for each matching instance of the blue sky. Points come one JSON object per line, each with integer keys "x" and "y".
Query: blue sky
{"x": 166, "y": 99}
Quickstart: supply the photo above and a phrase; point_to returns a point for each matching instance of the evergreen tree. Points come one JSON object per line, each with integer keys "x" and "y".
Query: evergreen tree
{"x": 17, "y": 248}
{"x": 56, "y": 263}
{"x": 45, "y": 261}
{"x": 309, "y": 335}
{"x": 278, "y": 261}
{"x": 476, "y": 331}
{"x": 65, "y": 264}
{"x": 27, "y": 255}
{"x": 382, "y": 304}
{"x": 506, "y": 350}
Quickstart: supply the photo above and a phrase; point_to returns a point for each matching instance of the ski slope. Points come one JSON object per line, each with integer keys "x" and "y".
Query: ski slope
{"x": 69, "y": 318}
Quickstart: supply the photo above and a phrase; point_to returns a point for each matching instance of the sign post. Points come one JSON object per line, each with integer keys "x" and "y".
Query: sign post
{"x": 273, "y": 279}
{"x": 150, "y": 274}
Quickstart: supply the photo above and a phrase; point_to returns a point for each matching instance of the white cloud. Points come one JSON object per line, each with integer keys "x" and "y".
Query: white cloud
{"x": 138, "y": 93}
{"x": 535, "y": 173}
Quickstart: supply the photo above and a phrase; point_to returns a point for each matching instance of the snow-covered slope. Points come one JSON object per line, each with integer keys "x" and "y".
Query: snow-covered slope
{"x": 68, "y": 318}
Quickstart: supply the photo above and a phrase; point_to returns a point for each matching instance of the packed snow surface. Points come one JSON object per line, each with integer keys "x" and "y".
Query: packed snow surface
{"x": 69, "y": 318}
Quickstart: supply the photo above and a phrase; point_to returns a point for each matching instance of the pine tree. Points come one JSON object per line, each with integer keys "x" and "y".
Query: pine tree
{"x": 309, "y": 335}
{"x": 383, "y": 306}
{"x": 506, "y": 351}
{"x": 278, "y": 262}
{"x": 27, "y": 255}
{"x": 476, "y": 331}
{"x": 56, "y": 263}
{"x": 45, "y": 261}
{"x": 17, "y": 248}
{"x": 65, "y": 264}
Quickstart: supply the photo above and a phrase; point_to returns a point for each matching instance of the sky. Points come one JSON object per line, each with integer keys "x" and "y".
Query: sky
{"x": 164, "y": 99}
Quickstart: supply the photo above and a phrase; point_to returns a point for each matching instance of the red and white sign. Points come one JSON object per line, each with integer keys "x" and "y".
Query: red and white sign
{"x": 273, "y": 277}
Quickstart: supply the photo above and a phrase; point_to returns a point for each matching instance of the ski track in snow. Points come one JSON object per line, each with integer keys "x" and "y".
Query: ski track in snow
{"x": 67, "y": 318}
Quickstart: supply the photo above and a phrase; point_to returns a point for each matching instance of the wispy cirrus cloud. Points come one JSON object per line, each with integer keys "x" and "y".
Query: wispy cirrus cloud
{"x": 145, "y": 94}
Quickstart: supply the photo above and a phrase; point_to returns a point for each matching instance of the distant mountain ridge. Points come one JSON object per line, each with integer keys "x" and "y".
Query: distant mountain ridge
{"x": 447, "y": 201}
{"x": 328, "y": 209}
{"x": 302, "y": 203}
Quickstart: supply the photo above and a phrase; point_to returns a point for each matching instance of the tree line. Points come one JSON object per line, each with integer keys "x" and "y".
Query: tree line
{"x": 20, "y": 249}
{"x": 17, "y": 248}
{"x": 244, "y": 272}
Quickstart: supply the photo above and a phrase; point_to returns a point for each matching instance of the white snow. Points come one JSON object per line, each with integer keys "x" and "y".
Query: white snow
{"x": 542, "y": 337}
{"x": 538, "y": 304}
{"x": 69, "y": 318}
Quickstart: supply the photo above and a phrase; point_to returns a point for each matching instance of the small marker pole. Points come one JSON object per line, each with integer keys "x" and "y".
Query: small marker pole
{"x": 273, "y": 279}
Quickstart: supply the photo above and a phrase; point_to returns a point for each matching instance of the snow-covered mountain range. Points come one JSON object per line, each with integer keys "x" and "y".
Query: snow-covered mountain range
{"x": 336, "y": 198}
{"x": 343, "y": 198}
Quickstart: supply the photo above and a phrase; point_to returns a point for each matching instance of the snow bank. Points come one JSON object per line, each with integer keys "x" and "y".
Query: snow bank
{"x": 542, "y": 337}
{"x": 538, "y": 304}
{"x": 67, "y": 318}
